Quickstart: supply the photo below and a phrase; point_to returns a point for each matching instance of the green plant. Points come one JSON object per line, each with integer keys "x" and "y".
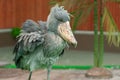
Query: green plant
{"x": 80, "y": 9}
{"x": 15, "y": 31}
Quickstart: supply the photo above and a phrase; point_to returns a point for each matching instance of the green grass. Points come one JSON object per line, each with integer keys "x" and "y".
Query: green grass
{"x": 12, "y": 66}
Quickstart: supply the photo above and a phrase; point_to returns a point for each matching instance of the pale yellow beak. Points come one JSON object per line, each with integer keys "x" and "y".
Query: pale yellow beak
{"x": 65, "y": 32}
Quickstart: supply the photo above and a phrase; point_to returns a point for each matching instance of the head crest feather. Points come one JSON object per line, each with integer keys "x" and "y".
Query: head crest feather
{"x": 60, "y": 13}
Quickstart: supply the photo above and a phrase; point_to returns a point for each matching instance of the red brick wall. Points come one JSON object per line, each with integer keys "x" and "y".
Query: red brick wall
{"x": 14, "y": 12}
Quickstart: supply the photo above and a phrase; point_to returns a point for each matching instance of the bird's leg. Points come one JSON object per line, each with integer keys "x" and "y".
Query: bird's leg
{"x": 30, "y": 74}
{"x": 48, "y": 73}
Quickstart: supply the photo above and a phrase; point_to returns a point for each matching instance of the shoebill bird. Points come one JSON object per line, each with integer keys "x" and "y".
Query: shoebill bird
{"x": 40, "y": 44}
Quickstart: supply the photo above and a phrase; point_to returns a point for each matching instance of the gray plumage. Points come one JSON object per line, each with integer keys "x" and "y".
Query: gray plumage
{"x": 30, "y": 26}
{"x": 42, "y": 25}
{"x": 39, "y": 45}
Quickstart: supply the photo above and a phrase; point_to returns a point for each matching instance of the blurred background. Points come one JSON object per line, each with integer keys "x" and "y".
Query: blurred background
{"x": 14, "y": 12}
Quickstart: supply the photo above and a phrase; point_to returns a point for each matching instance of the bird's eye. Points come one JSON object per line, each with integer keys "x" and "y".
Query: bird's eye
{"x": 61, "y": 20}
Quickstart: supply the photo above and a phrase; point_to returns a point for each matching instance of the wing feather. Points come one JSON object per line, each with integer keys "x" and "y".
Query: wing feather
{"x": 28, "y": 40}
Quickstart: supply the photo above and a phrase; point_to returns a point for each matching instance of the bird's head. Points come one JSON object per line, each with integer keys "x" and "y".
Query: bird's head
{"x": 59, "y": 21}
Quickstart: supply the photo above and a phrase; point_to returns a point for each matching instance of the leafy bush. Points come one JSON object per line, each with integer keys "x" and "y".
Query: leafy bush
{"x": 15, "y": 32}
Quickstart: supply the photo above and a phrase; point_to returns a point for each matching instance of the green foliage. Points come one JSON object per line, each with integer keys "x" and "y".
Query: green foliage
{"x": 112, "y": 29}
{"x": 96, "y": 48}
{"x": 81, "y": 9}
{"x": 8, "y": 66}
{"x": 15, "y": 32}
{"x": 85, "y": 67}
{"x": 52, "y": 2}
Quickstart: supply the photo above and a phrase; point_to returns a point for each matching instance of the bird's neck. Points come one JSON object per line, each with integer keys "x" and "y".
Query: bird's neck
{"x": 52, "y": 23}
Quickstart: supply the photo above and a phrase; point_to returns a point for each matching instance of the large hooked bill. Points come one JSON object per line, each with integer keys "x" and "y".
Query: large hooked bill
{"x": 66, "y": 33}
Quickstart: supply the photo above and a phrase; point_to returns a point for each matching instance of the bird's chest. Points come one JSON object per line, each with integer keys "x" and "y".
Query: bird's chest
{"x": 54, "y": 45}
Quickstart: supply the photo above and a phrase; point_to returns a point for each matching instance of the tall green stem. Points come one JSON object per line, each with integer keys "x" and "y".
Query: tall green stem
{"x": 101, "y": 34}
{"x": 96, "y": 33}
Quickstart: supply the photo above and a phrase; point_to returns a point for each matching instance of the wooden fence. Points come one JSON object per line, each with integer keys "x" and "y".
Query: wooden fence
{"x": 14, "y": 12}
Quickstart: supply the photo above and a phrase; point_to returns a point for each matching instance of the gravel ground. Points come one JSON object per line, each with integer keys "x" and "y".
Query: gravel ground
{"x": 17, "y": 74}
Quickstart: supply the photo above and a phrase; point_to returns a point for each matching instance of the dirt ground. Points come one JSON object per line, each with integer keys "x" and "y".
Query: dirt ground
{"x": 17, "y": 74}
